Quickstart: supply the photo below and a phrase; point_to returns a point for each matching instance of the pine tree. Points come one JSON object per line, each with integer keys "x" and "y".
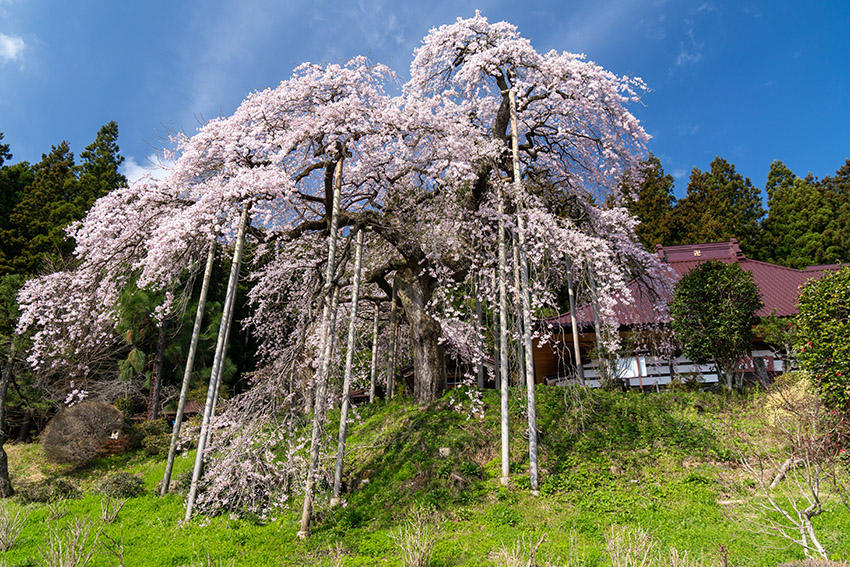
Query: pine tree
{"x": 45, "y": 209}
{"x": 99, "y": 170}
{"x": 13, "y": 179}
{"x": 794, "y": 231}
{"x": 652, "y": 202}
{"x": 44, "y": 199}
{"x": 837, "y": 189}
{"x": 720, "y": 204}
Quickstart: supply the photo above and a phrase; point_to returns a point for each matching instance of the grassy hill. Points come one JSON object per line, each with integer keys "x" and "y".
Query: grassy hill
{"x": 619, "y": 472}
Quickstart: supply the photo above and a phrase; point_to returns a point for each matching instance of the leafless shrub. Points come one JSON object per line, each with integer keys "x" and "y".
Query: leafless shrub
{"x": 11, "y": 525}
{"x": 628, "y": 547}
{"x": 416, "y": 538}
{"x": 72, "y": 546}
{"x": 519, "y": 554}
{"x": 76, "y": 433}
{"x": 56, "y": 509}
{"x": 114, "y": 549}
{"x": 796, "y": 473}
{"x": 635, "y": 547}
{"x": 109, "y": 508}
{"x": 204, "y": 559}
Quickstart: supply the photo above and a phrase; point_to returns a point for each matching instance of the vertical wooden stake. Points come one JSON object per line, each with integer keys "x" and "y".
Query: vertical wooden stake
{"x": 573, "y": 324}
{"x": 373, "y": 371}
{"x": 218, "y": 361}
{"x": 526, "y": 305}
{"x": 346, "y": 383}
{"x": 328, "y": 321}
{"x": 187, "y": 372}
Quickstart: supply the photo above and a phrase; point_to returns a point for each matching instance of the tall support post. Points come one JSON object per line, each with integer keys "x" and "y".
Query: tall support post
{"x": 393, "y": 346}
{"x": 479, "y": 321}
{"x": 226, "y": 342}
{"x": 526, "y": 304}
{"x": 187, "y": 372}
{"x": 373, "y": 371}
{"x": 496, "y": 346}
{"x": 218, "y": 360}
{"x": 346, "y": 382}
{"x": 505, "y": 384}
{"x": 328, "y": 322}
{"x": 601, "y": 361}
{"x": 520, "y": 344}
{"x": 574, "y": 323}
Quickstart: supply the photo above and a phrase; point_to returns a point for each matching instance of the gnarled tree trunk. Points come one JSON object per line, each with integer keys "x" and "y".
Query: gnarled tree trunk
{"x": 415, "y": 291}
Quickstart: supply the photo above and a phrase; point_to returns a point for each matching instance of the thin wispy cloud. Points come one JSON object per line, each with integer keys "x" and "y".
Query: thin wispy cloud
{"x": 11, "y": 48}
{"x": 154, "y": 166}
{"x": 691, "y": 50}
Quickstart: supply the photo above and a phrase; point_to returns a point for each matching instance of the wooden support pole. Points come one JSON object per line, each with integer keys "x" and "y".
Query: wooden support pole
{"x": 328, "y": 322}
{"x": 349, "y": 359}
{"x": 187, "y": 372}
{"x": 373, "y": 371}
{"x": 574, "y": 324}
{"x": 218, "y": 361}
{"x": 526, "y": 305}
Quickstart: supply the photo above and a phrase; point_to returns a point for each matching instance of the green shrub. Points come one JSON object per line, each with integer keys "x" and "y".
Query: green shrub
{"x": 823, "y": 336}
{"x": 121, "y": 485}
{"x": 48, "y": 490}
{"x": 155, "y": 436}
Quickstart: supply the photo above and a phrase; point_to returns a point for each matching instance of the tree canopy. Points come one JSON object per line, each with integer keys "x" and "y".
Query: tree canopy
{"x": 720, "y": 204}
{"x": 421, "y": 171}
{"x": 713, "y": 313}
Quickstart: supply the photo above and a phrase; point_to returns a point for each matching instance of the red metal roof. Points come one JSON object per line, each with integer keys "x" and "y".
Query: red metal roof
{"x": 779, "y": 285}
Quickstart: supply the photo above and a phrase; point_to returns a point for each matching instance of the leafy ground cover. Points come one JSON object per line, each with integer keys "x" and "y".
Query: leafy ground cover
{"x": 614, "y": 466}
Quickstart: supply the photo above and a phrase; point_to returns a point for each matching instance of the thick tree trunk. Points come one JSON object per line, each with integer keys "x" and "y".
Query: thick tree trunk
{"x": 5, "y": 483}
{"x": 156, "y": 374}
{"x": 429, "y": 379}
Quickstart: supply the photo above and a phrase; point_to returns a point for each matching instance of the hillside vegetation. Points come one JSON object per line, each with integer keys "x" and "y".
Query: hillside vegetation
{"x": 620, "y": 473}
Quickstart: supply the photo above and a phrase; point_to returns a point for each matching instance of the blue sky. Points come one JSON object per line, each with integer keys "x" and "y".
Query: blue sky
{"x": 751, "y": 81}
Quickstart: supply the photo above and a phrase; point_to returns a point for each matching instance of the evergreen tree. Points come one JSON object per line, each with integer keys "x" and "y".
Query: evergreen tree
{"x": 794, "y": 233}
{"x": 13, "y": 179}
{"x": 837, "y": 233}
{"x": 39, "y": 202}
{"x": 652, "y": 202}
{"x": 713, "y": 313}
{"x": 99, "y": 171}
{"x": 45, "y": 209}
{"x": 5, "y": 154}
{"x": 720, "y": 204}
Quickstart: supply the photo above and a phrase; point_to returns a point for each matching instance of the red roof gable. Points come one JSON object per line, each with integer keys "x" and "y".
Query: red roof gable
{"x": 779, "y": 285}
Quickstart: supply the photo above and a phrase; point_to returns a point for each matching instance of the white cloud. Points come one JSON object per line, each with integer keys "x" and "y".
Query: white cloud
{"x": 688, "y": 57}
{"x": 11, "y": 48}
{"x": 154, "y": 166}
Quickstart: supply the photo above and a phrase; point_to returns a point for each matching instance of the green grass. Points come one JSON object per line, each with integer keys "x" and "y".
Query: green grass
{"x": 664, "y": 463}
